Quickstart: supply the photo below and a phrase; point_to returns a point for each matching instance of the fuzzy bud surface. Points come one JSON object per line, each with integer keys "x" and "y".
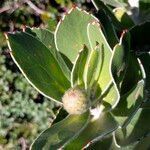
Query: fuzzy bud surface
{"x": 75, "y": 101}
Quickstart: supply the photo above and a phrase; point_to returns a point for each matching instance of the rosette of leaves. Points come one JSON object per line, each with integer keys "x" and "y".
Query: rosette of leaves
{"x": 105, "y": 87}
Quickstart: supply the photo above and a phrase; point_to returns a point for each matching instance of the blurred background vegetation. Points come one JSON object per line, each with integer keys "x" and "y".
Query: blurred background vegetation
{"x": 24, "y": 113}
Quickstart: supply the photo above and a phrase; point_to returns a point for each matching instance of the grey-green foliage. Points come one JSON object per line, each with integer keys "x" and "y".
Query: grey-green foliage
{"x": 20, "y": 116}
{"x": 116, "y": 83}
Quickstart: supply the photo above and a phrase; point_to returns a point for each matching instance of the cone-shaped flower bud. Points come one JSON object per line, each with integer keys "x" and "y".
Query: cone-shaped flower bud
{"x": 75, "y": 101}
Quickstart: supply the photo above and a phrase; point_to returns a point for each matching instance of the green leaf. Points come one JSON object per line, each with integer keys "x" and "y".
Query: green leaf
{"x": 71, "y": 33}
{"x": 119, "y": 64}
{"x": 108, "y": 143}
{"x": 114, "y": 3}
{"x": 100, "y": 5}
{"x": 67, "y": 61}
{"x": 105, "y": 81}
{"x": 144, "y": 144}
{"x": 144, "y": 10}
{"x": 44, "y": 35}
{"x": 120, "y": 59}
{"x": 38, "y": 65}
{"x": 137, "y": 129}
{"x": 105, "y": 77}
{"x": 93, "y": 67}
{"x": 110, "y": 97}
{"x": 47, "y": 38}
{"x": 104, "y": 144}
{"x": 78, "y": 68}
{"x": 144, "y": 4}
{"x": 133, "y": 74}
{"x": 127, "y": 147}
{"x": 124, "y": 19}
{"x": 61, "y": 114}
{"x": 61, "y": 133}
{"x": 95, "y": 130}
{"x": 108, "y": 28}
{"x": 96, "y": 36}
{"x": 129, "y": 104}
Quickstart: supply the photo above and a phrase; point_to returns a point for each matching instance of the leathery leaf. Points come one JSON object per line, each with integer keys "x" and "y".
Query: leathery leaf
{"x": 129, "y": 104}
{"x": 120, "y": 58}
{"x": 71, "y": 33}
{"x": 93, "y": 67}
{"x": 38, "y": 65}
{"x": 137, "y": 129}
{"x": 95, "y": 130}
{"x": 78, "y": 68}
{"x": 105, "y": 80}
{"x": 47, "y": 38}
{"x": 61, "y": 133}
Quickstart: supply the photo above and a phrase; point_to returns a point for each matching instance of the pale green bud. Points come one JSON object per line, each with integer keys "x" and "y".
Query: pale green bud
{"x": 75, "y": 101}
